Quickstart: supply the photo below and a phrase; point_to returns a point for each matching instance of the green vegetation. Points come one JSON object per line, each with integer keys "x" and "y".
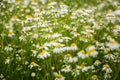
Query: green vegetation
{"x": 60, "y": 40}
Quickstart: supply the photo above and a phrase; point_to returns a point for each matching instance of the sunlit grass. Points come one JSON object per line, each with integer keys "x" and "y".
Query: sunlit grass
{"x": 59, "y": 40}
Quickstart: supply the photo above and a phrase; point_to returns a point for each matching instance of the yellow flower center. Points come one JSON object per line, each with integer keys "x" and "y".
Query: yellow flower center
{"x": 43, "y": 52}
{"x": 95, "y": 76}
{"x": 90, "y": 51}
{"x": 15, "y": 18}
{"x": 35, "y": 16}
{"x": 109, "y": 54}
{"x": 107, "y": 66}
{"x": 68, "y": 55}
{"x": 74, "y": 70}
{"x": 59, "y": 76}
{"x": 32, "y": 63}
{"x": 82, "y": 51}
{"x": 58, "y": 46}
{"x": 11, "y": 32}
{"x": 73, "y": 44}
{"x": 112, "y": 42}
{"x": 97, "y": 61}
{"x": 29, "y": 16}
{"x": 65, "y": 68}
{"x": 6, "y": 25}
{"x": 88, "y": 32}
{"x": 116, "y": 27}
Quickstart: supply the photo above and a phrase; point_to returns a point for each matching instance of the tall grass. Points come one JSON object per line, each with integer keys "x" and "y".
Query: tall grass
{"x": 59, "y": 40}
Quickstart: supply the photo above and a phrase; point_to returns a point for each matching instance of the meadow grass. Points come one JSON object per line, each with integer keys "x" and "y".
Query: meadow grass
{"x": 59, "y": 40}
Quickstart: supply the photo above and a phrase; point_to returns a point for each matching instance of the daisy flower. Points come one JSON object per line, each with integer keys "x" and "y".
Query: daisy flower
{"x": 66, "y": 68}
{"x": 58, "y": 49}
{"x": 43, "y": 54}
{"x": 107, "y": 76}
{"x": 8, "y": 48}
{"x": 73, "y": 47}
{"x": 110, "y": 56}
{"x": 36, "y": 18}
{"x": 97, "y": 62}
{"x": 29, "y": 17}
{"x": 32, "y": 64}
{"x": 22, "y": 38}
{"x": 11, "y": 33}
{"x": 94, "y": 77}
{"x": 75, "y": 72}
{"x": 82, "y": 54}
{"x": 34, "y": 52}
{"x": 68, "y": 58}
{"x": 7, "y": 61}
{"x": 107, "y": 68}
{"x": 59, "y": 76}
{"x": 91, "y": 51}
{"x": 35, "y": 36}
{"x": 75, "y": 59}
{"x": 85, "y": 69}
{"x": 113, "y": 44}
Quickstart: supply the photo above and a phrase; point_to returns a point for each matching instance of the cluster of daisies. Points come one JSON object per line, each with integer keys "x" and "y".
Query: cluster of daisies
{"x": 56, "y": 40}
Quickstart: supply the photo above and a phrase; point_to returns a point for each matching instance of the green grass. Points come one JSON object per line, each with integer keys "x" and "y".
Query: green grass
{"x": 89, "y": 31}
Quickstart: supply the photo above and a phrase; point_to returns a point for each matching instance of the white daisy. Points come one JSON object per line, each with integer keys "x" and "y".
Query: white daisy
{"x": 58, "y": 49}
{"x": 85, "y": 69}
{"x": 73, "y": 47}
{"x": 97, "y": 62}
{"x": 82, "y": 54}
{"x": 35, "y": 36}
{"x": 95, "y": 77}
{"x": 74, "y": 59}
{"x": 68, "y": 58}
{"x": 107, "y": 76}
{"x": 91, "y": 51}
{"x": 43, "y": 54}
{"x": 29, "y": 17}
{"x": 59, "y": 76}
{"x": 107, "y": 68}
{"x": 7, "y": 61}
{"x": 113, "y": 44}
{"x": 110, "y": 56}
{"x": 11, "y": 33}
{"x": 66, "y": 68}
{"x": 32, "y": 64}
{"x": 75, "y": 72}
